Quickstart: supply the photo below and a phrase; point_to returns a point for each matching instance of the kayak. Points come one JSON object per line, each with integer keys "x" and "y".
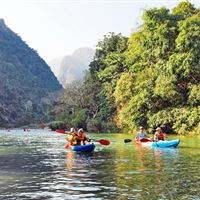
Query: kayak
{"x": 83, "y": 148}
{"x": 161, "y": 144}
{"x": 60, "y": 131}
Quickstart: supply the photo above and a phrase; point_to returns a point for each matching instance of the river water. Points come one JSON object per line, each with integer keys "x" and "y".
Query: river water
{"x": 35, "y": 165}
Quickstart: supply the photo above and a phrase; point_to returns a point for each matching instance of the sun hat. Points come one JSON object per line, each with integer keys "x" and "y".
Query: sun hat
{"x": 72, "y": 130}
{"x": 80, "y": 130}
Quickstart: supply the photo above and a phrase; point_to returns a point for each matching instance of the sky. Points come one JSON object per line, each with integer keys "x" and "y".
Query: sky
{"x": 55, "y": 28}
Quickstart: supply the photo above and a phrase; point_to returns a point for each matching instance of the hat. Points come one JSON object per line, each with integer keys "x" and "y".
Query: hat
{"x": 80, "y": 130}
{"x": 141, "y": 128}
{"x": 157, "y": 129}
{"x": 72, "y": 130}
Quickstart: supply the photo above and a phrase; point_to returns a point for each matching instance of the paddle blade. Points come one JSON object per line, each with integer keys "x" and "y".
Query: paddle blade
{"x": 104, "y": 142}
{"x": 127, "y": 140}
{"x": 67, "y": 145}
{"x": 60, "y": 131}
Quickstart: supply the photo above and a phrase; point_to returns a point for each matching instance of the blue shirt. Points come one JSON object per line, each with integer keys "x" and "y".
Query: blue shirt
{"x": 141, "y": 135}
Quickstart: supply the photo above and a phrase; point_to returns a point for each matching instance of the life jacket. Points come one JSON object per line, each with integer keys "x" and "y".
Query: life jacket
{"x": 161, "y": 136}
{"x": 81, "y": 136}
{"x": 72, "y": 138}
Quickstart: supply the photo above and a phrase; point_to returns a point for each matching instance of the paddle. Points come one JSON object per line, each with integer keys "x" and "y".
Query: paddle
{"x": 60, "y": 131}
{"x": 142, "y": 140}
{"x": 127, "y": 140}
{"x": 102, "y": 141}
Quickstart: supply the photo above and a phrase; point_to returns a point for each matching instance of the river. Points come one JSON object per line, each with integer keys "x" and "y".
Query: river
{"x": 35, "y": 165}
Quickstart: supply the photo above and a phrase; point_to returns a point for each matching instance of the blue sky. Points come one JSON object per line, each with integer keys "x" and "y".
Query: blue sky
{"x": 57, "y": 27}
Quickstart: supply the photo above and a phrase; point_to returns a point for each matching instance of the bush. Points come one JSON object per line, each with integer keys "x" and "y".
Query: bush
{"x": 62, "y": 116}
{"x": 109, "y": 127}
{"x": 94, "y": 125}
{"x": 56, "y": 125}
{"x": 79, "y": 118}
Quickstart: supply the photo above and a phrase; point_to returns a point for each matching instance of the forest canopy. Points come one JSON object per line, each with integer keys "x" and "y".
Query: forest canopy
{"x": 150, "y": 79}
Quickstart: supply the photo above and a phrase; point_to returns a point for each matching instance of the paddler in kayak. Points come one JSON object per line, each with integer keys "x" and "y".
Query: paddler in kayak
{"x": 159, "y": 135}
{"x": 72, "y": 137}
{"x": 141, "y": 134}
{"x": 81, "y": 137}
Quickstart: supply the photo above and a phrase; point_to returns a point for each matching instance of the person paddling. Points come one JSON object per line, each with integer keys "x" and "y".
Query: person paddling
{"x": 72, "y": 137}
{"x": 159, "y": 135}
{"x": 141, "y": 134}
{"x": 81, "y": 137}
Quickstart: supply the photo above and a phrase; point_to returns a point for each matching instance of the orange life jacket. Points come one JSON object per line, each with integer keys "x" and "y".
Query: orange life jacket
{"x": 161, "y": 136}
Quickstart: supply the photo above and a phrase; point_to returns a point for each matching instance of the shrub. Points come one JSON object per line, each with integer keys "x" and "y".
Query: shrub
{"x": 56, "y": 125}
{"x": 109, "y": 127}
{"x": 94, "y": 125}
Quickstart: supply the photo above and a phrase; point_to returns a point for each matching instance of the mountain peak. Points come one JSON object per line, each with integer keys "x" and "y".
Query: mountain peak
{"x": 2, "y": 21}
{"x": 2, "y": 24}
{"x": 72, "y": 67}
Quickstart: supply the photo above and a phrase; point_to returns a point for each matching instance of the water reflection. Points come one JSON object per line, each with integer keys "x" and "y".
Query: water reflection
{"x": 36, "y": 166}
{"x": 70, "y": 159}
{"x": 84, "y": 175}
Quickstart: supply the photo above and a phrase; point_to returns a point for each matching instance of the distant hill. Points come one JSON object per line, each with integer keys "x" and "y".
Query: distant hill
{"x": 26, "y": 81}
{"x": 55, "y": 65}
{"x": 72, "y": 67}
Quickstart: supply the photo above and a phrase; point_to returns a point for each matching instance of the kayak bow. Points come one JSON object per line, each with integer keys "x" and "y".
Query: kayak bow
{"x": 161, "y": 144}
{"x": 83, "y": 148}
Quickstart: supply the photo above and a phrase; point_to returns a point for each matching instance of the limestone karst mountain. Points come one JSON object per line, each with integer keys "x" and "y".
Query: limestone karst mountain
{"x": 25, "y": 81}
{"x": 72, "y": 67}
{"x": 55, "y": 65}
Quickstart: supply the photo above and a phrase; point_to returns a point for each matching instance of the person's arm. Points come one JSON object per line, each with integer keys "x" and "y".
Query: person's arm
{"x": 155, "y": 137}
{"x": 88, "y": 139}
{"x": 67, "y": 132}
{"x": 84, "y": 136}
{"x": 75, "y": 136}
{"x": 146, "y": 135}
{"x": 165, "y": 136}
{"x": 137, "y": 136}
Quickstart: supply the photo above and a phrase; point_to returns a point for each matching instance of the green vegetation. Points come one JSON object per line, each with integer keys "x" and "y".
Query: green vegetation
{"x": 151, "y": 78}
{"x": 26, "y": 82}
{"x": 56, "y": 125}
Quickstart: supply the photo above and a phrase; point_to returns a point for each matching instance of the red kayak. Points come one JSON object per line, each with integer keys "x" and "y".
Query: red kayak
{"x": 60, "y": 131}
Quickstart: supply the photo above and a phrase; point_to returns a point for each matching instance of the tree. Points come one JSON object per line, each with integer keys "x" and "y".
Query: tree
{"x": 150, "y": 79}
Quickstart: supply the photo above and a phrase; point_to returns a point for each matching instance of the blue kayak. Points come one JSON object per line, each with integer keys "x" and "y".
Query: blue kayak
{"x": 162, "y": 144}
{"x": 83, "y": 148}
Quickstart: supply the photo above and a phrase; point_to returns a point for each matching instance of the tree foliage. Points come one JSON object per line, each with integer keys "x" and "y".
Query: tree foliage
{"x": 164, "y": 58}
{"x": 151, "y": 78}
